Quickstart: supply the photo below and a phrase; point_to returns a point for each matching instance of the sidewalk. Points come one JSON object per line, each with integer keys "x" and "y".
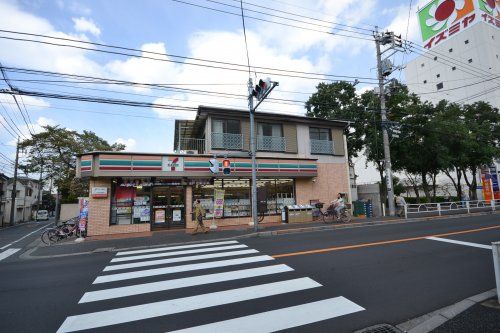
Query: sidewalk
{"x": 110, "y": 243}
{"x": 476, "y": 314}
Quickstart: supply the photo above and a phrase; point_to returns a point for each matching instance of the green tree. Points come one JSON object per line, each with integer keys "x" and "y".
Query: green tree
{"x": 339, "y": 101}
{"x": 54, "y": 151}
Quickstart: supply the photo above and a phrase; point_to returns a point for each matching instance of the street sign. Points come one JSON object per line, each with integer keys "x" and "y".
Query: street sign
{"x": 214, "y": 165}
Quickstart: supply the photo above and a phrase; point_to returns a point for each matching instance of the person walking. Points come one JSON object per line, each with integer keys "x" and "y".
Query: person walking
{"x": 400, "y": 203}
{"x": 199, "y": 213}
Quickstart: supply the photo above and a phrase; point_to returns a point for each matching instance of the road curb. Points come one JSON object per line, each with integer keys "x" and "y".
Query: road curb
{"x": 272, "y": 233}
{"x": 432, "y": 320}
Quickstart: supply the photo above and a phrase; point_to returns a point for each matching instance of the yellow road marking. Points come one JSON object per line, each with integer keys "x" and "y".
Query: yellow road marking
{"x": 394, "y": 241}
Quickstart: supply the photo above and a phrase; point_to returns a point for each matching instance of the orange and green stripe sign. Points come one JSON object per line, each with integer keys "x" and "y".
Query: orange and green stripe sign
{"x": 261, "y": 167}
{"x": 125, "y": 163}
{"x": 86, "y": 164}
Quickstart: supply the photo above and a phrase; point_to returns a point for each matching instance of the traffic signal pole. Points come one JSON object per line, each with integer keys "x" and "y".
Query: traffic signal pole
{"x": 252, "y": 154}
{"x": 385, "y": 135}
{"x": 14, "y": 188}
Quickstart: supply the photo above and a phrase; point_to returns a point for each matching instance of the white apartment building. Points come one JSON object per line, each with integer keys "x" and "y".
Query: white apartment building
{"x": 462, "y": 58}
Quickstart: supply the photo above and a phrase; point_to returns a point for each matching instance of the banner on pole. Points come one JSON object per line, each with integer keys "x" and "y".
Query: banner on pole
{"x": 218, "y": 203}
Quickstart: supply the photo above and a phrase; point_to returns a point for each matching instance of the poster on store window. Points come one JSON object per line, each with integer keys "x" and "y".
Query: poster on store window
{"x": 176, "y": 215}
{"x": 159, "y": 216}
{"x": 218, "y": 203}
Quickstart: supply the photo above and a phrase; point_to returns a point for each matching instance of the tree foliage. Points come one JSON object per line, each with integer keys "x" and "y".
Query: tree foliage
{"x": 53, "y": 151}
{"x": 443, "y": 138}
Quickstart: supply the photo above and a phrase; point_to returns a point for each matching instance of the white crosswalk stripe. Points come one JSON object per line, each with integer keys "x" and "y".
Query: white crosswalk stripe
{"x": 176, "y": 253}
{"x": 129, "y": 300}
{"x": 7, "y": 253}
{"x": 180, "y": 259}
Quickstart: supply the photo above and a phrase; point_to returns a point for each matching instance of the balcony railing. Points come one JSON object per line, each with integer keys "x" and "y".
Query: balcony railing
{"x": 191, "y": 145}
{"x": 322, "y": 147}
{"x": 227, "y": 141}
{"x": 271, "y": 143}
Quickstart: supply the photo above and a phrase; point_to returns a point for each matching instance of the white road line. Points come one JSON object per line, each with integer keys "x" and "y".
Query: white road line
{"x": 175, "y": 253}
{"x": 145, "y": 288}
{"x": 7, "y": 253}
{"x": 179, "y": 259}
{"x": 277, "y": 320}
{"x": 178, "y": 269}
{"x": 446, "y": 240}
{"x": 20, "y": 239}
{"x": 164, "y": 308}
{"x": 168, "y": 248}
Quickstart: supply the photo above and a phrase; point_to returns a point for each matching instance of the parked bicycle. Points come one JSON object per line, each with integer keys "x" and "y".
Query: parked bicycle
{"x": 67, "y": 229}
{"x": 330, "y": 215}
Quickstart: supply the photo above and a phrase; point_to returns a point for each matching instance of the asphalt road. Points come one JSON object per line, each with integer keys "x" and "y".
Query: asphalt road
{"x": 14, "y": 239}
{"x": 329, "y": 281}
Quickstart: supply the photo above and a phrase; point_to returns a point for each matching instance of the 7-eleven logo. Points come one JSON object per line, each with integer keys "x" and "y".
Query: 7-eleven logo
{"x": 171, "y": 163}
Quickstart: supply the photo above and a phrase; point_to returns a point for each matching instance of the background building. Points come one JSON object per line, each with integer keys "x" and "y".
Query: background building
{"x": 26, "y": 199}
{"x": 462, "y": 60}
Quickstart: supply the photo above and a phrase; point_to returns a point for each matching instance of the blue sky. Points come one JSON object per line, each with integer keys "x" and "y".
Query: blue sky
{"x": 169, "y": 27}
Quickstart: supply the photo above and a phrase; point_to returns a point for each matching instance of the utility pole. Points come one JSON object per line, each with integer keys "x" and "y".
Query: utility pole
{"x": 40, "y": 184}
{"x": 385, "y": 135}
{"x": 252, "y": 154}
{"x": 14, "y": 188}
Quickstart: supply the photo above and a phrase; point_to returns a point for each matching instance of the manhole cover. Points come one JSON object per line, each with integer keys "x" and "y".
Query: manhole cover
{"x": 382, "y": 328}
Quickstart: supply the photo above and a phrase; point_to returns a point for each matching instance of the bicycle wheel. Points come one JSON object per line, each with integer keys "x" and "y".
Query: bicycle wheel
{"x": 345, "y": 217}
{"x": 45, "y": 237}
{"x": 52, "y": 236}
{"x": 261, "y": 217}
{"x": 328, "y": 217}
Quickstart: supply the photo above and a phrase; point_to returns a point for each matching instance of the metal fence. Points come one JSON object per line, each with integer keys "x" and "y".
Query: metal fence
{"x": 227, "y": 141}
{"x": 191, "y": 144}
{"x": 449, "y": 208}
{"x": 271, "y": 143}
{"x": 322, "y": 147}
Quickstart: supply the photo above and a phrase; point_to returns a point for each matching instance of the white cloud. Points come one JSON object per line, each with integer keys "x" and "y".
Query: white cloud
{"x": 129, "y": 143}
{"x": 84, "y": 25}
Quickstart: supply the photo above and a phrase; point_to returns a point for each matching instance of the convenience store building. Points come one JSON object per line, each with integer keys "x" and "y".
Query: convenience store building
{"x": 300, "y": 160}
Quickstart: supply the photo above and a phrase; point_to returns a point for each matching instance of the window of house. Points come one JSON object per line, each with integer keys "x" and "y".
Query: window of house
{"x": 226, "y": 126}
{"x": 425, "y": 81}
{"x": 438, "y": 76}
{"x": 450, "y": 50}
{"x": 435, "y": 58}
{"x": 470, "y": 60}
{"x": 316, "y": 133}
{"x": 269, "y": 130}
{"x": 453, "y": 68}
{"x": 439, "y": 86}
{"x": 422, "y": 65}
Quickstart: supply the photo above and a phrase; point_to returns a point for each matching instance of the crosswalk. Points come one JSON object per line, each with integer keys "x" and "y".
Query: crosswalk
{"x": 7, "y": 253}
{"x": 153, "y": 284}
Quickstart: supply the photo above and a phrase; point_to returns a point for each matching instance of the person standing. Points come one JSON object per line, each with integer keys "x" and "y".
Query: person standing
{"x": 199, "y": 213}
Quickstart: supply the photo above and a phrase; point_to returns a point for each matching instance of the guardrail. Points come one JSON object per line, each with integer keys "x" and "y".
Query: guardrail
{"x": 450, "y": 208}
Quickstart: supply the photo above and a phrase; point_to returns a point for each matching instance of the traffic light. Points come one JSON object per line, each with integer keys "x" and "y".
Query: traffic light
{"x": 226, "y": 167}
{"x": 261, "y": 88}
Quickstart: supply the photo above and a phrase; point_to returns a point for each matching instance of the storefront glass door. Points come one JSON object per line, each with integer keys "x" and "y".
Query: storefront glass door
{"x": 168, "y": 209}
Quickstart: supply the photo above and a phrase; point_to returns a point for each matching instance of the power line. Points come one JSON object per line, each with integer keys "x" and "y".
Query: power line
{"x": 274, "y": 70}
{"x": 308, "y": 17}
{"x": 245, "y": 35}
{"x": 269, "y": 21}
{"x": 291, "y": 19}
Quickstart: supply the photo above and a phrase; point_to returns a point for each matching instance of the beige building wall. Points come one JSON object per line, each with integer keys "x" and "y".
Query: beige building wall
{"x": 332, "y": 179}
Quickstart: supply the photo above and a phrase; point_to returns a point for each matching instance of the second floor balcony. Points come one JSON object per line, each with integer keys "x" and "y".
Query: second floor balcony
{"x": 227, "y": 141}
{"x": 271, "y": 143}
{"x": 322, "y": 147}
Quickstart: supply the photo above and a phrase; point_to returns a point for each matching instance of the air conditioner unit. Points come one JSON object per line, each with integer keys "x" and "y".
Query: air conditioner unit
{"x": 188, "y": 152}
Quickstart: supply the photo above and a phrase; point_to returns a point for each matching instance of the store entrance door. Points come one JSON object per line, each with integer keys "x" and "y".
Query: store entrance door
{"x": 168, "y": 207}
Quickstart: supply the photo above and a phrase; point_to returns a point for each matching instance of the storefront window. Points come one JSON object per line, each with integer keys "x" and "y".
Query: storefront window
{"x": 205, "y": 193}
{"x": 130, "y": 205}
{"x": 236, "y": 197}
